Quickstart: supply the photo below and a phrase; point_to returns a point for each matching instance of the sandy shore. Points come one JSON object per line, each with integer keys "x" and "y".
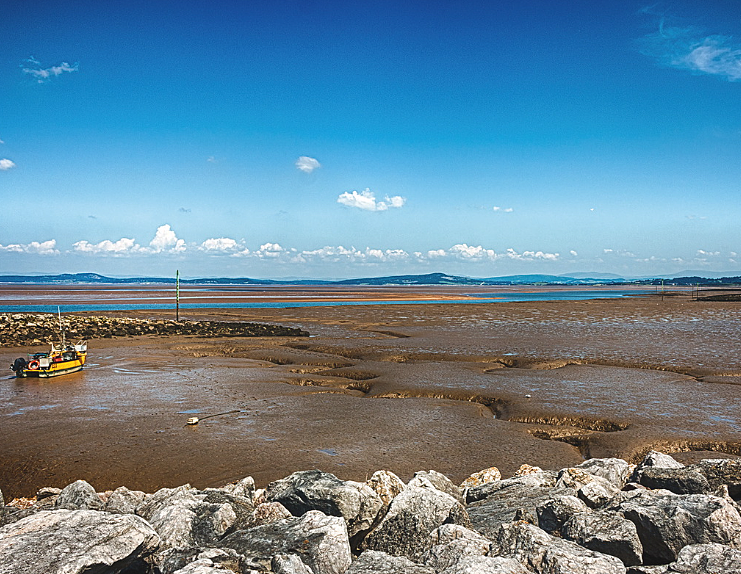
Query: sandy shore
{"x": 454, "y": 387}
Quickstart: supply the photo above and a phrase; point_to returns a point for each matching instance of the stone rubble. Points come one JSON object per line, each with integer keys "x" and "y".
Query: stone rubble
{"x": 22, "y": 329}
{"x": 602, "y": 517}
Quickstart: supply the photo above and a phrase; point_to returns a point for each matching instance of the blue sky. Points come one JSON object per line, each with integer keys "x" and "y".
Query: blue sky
{"x": 346, "y": 139}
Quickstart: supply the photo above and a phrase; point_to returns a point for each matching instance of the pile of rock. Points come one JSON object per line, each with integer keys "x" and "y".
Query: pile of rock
{"x": 20, "y": 329}
{"x": 602, "y": 517}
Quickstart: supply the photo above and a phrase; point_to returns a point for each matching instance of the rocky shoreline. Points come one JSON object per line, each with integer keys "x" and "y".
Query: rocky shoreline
{"x": 20, "y": 329}
{"x": 604, "y": 516}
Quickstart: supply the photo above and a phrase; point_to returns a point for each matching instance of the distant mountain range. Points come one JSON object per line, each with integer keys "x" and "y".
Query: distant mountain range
{"x": 428, "y": 279}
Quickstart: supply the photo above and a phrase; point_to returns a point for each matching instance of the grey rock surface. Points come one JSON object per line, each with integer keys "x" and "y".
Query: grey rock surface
{"x": 658, "y": 459}
{"x": 124, "y": 501}
{"x": 555, "y": 511}
{"x": 386, "y": 485}
{"x": 75, "y": 541}
{"x": 667, "y": 522}
{"x": 486, "y": 565}
{"x": 541, "y": 479}
{"x": 451, "y": 543}
{"x": 375, "y": 562}
{"x": 412, "y": 516}
{"x": 606, "y": 532}
{"x": 439, "y": 481}
{"x": 615, "y": 470}
{"x": 707, "y": 559}
{"x": 542, "y": 553}
{"x": 719, "y": 472}
{"x": 79, "y": 495}
{"x": 685, "y": 480}
{"x": 289, "y": 564}
{"x": 320, "y": 540}
{"x": 309, "y": 490}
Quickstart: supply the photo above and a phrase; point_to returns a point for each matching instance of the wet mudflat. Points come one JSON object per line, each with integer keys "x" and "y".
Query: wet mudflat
{"x": 403, "y": 387}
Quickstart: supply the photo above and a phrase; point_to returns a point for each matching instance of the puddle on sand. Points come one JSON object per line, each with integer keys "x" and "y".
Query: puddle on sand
{"x": 329, "y": 451}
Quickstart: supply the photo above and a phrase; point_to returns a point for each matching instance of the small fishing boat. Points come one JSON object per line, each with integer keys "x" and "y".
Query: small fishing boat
{"x": 60, "y": 360}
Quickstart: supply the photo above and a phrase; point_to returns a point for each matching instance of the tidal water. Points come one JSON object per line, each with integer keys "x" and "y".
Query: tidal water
{"x": 507, "y": 297}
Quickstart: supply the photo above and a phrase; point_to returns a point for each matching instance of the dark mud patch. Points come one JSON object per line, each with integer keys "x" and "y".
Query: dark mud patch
{"x": 391, "y": 334}
{"x": 286, "y": 357}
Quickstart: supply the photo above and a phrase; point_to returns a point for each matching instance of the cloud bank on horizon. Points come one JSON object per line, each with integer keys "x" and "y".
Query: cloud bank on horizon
{"x": 592, "y": 157}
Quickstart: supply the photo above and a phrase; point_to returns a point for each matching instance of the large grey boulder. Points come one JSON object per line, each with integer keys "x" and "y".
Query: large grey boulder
{"x": 124, "y": 501}
{"x": 554, "y": 512}
{"x": 451, "y": 543}
{"x": 667, "y": 522}
{"x": 412, "y": 516}
{"x": 545, "y": 554}
{"x": 75, "y": 541}
{"x": 707, "y": 559}
{"x": 658, "y": 459}
{"x": 79, "y": 495}
{"x": 540, "y": 479}
{"x": 309, "y": 490}
{"x": 719, "y": 472}
{"x": 503, "y": 501}
{"x": 439, "y": 481}
{"x": 606, "y": 532}
{"x": 486, "y": 565}
{"x": 289, "y": 564}
{"x": 685, "y": 480}
{"x": 320, "y": 540}
{"x": 375, "y": 562}
{"x": 614, "y": 470}
{"x": 226, "y": 560}
{"x": 183, "y": 518}
{"x": 386, "y": 485}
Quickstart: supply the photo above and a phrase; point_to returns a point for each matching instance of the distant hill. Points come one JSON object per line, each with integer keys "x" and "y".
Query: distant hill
{"x": 426, "y": 279}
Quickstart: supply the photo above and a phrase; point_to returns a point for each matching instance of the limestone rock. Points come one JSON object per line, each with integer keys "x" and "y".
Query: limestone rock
{"x": 244, "y": 488}
{"x": 511, "y": 499}
{"x": 526, "y": 469}
{"x": 374, "y": 562}
{"x": 183, "y": 518}
{"x": 410, "y": 519}
{"x": 386, "y": 485}
{"x": 659, "y": 459}
{"x": 707, "y": 559}
{"x": 545, "y": 554}
{"x": 308, "y": 490}
{"x": 491, "y": 474}
{"x": 450, "y": 543}
{"x": 289, "y": 564}
{"x": 439, "y": 481}
{"x": 606, "y": 532}
{"x": 75, "y": 541}
{"x": 266, "y": 513}
{"x": 486, "y": 565}
{"x": 719, "y": 472}
{"x": 224, "y": 560}
{"x": 554, "y": 512}
{"x": 320, "y": 540}
{"x": 79, "y": 496}
{"x": 540, "y": 479}
{"x": 614, "y": 470}
{"x": 124, "y": 501}
{"x": 683, "y": 480}
{"x": 667, "y": 522}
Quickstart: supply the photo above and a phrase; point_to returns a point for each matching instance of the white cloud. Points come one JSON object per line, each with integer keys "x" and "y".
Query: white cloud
{"x": 211, "y": 159}
{"x": 35, "y": 247}
{"x": 2, "y": 142}
{"x": 6, "y": 164}
{"x": 33, "y": 67}
{"x": 307, "y": 164}
{"x": 689, "y": 48}
{"x": 532, "y": 255}
{"x": 223, "y": 244}
{"x": 366, "y": 200}
{"x": 464, "y": 251}
{"x": 123, "y": 246}
{"x": 503, "y": 209}
{"x": 573, "y": 253}
{"x": 166, "y": 240}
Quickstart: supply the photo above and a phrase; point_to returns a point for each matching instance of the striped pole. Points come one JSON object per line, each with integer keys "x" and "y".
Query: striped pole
{"x": 177, "y": 295}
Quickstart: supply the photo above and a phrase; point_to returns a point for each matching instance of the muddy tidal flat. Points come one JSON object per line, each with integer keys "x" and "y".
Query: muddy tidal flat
{"x": 455, "y": 387}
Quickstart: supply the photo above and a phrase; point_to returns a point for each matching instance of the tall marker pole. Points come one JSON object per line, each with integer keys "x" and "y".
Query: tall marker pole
{"x": 177, "y": 295}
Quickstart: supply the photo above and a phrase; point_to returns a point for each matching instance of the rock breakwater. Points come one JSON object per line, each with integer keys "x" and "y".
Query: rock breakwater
{"x": 601, "y": 517}
{"x": 19, "y": 329}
